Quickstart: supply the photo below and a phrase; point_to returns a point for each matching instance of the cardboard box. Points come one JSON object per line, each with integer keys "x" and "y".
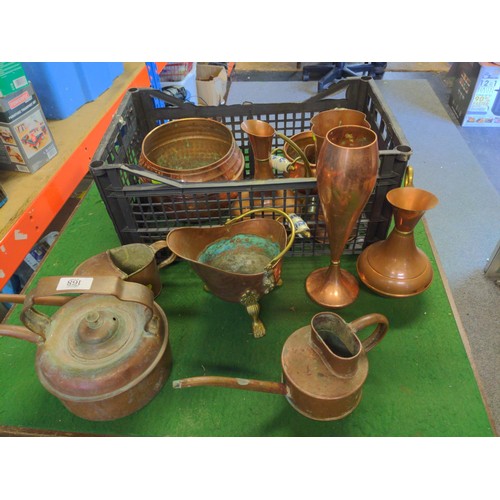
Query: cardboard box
{"x": 211, "y": 84}
{"x": 26, "y": 143}
{"x": 12, "y": 78}
{"x": 475, "y": 95}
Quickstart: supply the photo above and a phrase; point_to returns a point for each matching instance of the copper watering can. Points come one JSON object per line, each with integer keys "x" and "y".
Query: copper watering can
{"x": 104, "y": 354}
{"x": 324, "y": 367}
{"x": 239, "y": 261}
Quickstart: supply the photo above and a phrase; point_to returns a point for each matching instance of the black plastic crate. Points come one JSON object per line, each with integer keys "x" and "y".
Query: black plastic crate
{"x": 144, "y": 207}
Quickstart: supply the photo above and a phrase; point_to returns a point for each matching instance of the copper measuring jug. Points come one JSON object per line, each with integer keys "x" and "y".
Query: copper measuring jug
{"x": 133, "y": 262}
{"x": 324, "y": 367}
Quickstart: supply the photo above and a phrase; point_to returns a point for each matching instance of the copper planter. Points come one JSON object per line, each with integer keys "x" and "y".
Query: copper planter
{"x": 324, "y": 366}
{"x": 239, "y": 261}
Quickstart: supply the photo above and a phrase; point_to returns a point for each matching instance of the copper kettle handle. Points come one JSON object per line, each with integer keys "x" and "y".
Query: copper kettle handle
{"x": 377, "y": 335}
{"x": 100, "y": 285}
{"x": 159, "y": 245}
{"x": 291, "y": 238}
{"x": 20, "y": 332}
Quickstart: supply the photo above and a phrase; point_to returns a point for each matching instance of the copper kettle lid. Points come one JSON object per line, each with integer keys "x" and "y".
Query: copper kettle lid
{"x": 97, "y": 346}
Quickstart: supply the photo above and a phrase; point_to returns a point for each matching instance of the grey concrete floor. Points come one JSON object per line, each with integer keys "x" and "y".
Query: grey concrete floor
{"x": 461, "y": 165}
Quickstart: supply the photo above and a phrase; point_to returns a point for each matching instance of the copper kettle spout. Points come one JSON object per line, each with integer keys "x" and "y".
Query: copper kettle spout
{"x": 232, "y": 383}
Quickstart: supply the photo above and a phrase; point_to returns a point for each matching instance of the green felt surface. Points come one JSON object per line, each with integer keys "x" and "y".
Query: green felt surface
{"x": 420, "y": 381}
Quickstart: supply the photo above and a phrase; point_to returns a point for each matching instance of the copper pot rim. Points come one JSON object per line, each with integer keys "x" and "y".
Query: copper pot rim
{"x": 351, "y": 148}
{"x": 280, "y": 226}
{"x": 209, "y": 166}
{"x": 306, "y": 134}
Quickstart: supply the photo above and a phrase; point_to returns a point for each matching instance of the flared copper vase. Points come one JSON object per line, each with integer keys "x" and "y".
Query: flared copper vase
{"x": 347, "y": 170}
{"x": 395, "y": 267}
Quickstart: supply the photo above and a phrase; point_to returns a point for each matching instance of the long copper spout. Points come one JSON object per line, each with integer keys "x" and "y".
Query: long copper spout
{"x": 232, "y": 383}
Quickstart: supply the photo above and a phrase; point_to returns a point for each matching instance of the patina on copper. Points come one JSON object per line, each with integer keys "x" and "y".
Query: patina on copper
{"x": 347, "y": 171}
{"x": 324, "y": 367}
{"x": 105, "y": 353}
{"x": 239, "y": 261}
{"x": 396, "y": 267}
{"x": 133, "y": 262}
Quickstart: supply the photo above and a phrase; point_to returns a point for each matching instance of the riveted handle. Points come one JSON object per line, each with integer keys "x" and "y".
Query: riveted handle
{"x": 291, "y": 238}
{"x": 101, "y": 285}
{"x": 377, "y": 335}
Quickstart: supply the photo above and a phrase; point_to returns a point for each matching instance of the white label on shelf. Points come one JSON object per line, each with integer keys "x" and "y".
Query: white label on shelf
{"x": 74, "y": 283}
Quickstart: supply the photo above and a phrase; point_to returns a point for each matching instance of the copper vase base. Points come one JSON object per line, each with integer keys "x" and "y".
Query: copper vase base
{"x": 332, "y": 287}
{"x": 390, "y": 286}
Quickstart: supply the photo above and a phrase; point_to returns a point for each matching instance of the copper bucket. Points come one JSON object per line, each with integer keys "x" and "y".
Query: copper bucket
{"x": 239, "y": 261}
{"x": 324, "y": 367}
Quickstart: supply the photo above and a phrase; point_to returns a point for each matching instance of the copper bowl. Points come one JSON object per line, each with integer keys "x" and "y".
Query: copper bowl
{"x": 193, "y": 150}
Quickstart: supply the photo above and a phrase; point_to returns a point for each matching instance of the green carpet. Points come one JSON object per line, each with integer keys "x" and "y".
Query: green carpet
{"x": 420, "y": 381}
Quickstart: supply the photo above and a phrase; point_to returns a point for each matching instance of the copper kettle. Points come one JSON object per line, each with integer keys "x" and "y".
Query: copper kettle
{"x": 105, "y": 354}
{"x": 324, "y": 367}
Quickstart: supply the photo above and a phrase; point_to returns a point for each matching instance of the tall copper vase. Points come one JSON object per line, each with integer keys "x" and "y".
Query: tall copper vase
{"x": 347, "y": 170}
{"x": 396, "y": 267}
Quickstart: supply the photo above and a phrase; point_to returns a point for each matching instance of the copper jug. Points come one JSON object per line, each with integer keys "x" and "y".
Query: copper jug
{"x": 133, "y": 262}
{"x": 105, "y": 353}
{"x": 395, "y": 267}
{"x": 324, "y": 367}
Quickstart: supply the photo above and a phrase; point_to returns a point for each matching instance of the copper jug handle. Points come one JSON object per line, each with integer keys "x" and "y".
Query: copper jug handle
{"x": 291, "y": 238}
{"x": 101, "y": 285}
{"x": 159, "y": 245}
{"x": 303, "y": 157}
{"x": 377, "y": 335}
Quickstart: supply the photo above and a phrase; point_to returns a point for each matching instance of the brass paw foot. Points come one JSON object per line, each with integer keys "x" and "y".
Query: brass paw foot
{"x": 251, "y": 302}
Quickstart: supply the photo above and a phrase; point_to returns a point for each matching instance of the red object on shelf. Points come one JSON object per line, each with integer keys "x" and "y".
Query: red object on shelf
{"x": 29, "y": 227}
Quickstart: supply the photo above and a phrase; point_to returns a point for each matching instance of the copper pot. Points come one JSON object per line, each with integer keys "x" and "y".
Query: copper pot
{"x": 105, "y": 354}
{"x": 324, "y": 367}
{"x": 133, "y": 262}
{"x": 192, "y": 150}
{"x": 239, "y": 261}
